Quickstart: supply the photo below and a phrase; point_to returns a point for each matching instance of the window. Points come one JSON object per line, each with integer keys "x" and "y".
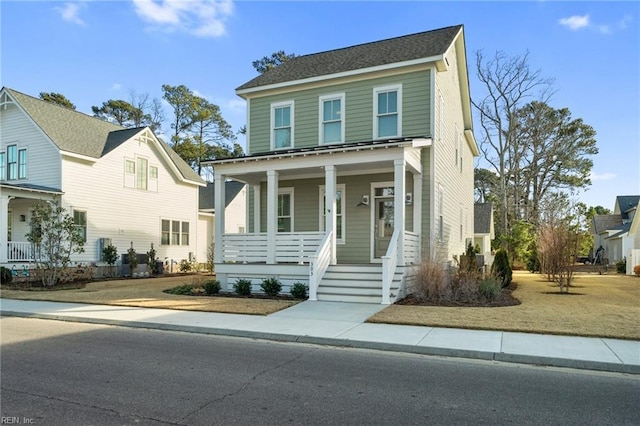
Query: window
{"x": 80, "y": 223}
{"x": 12, "y": 162}
{"x": 285, "y": 210}
{"x": 130, "y": 166}
{"x": 174, "y": 232}
{"x": 9, "y": 224}
{"x": 22, "y": 164}
{"x": 440, "y": 213}
{"x": 141, "y": 175}
{"x": 282, "y": 125}
{"x": 3, "y": 166}
{"x": 165, "y": 233}
{"x": 332, "y": 119}
{"x": 153, "y": 172}
{"x": 340, "y": 216}
{"x": 185, "y": 233}
{"x": 387, "y": 104}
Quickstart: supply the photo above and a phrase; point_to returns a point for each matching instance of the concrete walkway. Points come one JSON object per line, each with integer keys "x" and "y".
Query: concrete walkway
{"x": 343, "y": 324}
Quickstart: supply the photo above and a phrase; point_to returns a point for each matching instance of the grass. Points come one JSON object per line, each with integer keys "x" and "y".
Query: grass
{"x": 596, "y": 306}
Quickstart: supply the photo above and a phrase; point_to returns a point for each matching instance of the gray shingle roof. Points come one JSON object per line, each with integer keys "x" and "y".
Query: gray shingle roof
{"x": 82, "y": 134}
{"x": 602, "y": 222}
{"x": 626, "y": 203}
{"x": 384, "y": 52}
{"x": 207, "y": 194}
{"x": 482, "y": 218}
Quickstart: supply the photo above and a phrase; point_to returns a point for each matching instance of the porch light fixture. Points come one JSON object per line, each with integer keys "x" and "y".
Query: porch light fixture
{"x": 364, "y": 201}
{"x": 23, "y": 218}
{"x": 408, "y": 199}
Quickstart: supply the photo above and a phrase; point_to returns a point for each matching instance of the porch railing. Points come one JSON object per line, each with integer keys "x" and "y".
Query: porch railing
{"x": 389, "y": 264}
{"x": 318, "y": 264}
{"x": 291, "y": 247}
{"x": 18, "y": 251}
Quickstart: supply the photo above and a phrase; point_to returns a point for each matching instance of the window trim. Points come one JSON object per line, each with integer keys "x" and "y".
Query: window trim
{"x": 290, "y": 192}
{"x": 341, "y": 187}
{"x": 272, "y": 127}
{"x": 3, "y": 165}
{"x": 139, "y": 173}
{"x": 167, "y": 237}
{"x": 10, "y": 163}
{"x": 75, "y": 210}
{"x": 167, "y": 232}
{"x": 22, "y": 165}
{"x": 385, "y": 89}
{"x": 321, "y": 122}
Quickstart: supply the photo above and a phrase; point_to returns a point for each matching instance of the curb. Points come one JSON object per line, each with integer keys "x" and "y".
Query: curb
{"x": 357, "y": 344}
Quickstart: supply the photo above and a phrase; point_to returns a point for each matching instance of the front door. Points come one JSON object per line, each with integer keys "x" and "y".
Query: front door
{"x": 383, "y": 220}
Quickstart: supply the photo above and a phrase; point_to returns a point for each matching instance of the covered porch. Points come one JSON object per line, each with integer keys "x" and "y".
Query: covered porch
{"x": 16, "y": 205}
{"x": 329, "y": 208}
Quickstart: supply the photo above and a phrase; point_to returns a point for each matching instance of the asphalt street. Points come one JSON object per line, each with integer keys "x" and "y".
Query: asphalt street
{"x": 62, "y": 373}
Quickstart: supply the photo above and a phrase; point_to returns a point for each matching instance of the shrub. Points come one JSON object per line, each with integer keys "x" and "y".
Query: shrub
{"x": 621, "y": 266}
{"x": 181, "y": 290}
{"x": 271, "y": 286}
{"x": 5, "y": 275}
{"x": 299, "y": 290}
{"x": 132, "y": 257}
{"x": 242, "y": 287}
{"x": 501, "y": 268}
{"x": 636, "y": 270}
{"x": 185, "y": 265}
{"x": 489, "y": 288}
{"x": 430, "y": 282}
{"x": 212, "y": 287}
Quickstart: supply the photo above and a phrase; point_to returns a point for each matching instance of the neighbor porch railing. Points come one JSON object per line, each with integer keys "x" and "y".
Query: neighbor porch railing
{"x": 318, "y": 264}
{"x": 18, "y": 251}
{"x": 291, "y": 247}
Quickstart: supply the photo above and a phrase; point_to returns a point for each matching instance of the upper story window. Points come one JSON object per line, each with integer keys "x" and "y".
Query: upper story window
{"x": 22, "y": 164}
{"x": 282, "y": 125}
{"x": 142, "y": 173}
{"x": 13, "y": 163}
{"x": 387, "y": 107}
{"x": 138, "y": 173}
{"x": 3, "y": 165}
{"x": 332, "y": 119}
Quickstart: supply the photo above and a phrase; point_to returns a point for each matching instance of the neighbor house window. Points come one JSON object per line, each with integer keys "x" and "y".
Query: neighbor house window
{"x": 285, "y": 210}
{"x": 129, "y": 166}
{"x": 175, "y": 232}
{"x": 340, "y": 216}
{"x": 387, "y": 107}
{"x": 80, "y": 223}
{"x": 141, "y": 173}
{"x": 3, "y": 166}
{"x": 282, "y": 125}
{"x": 22, "y": 164}
{"x": 185, "y": 233}
{"x": 12, "y": 162}
{"x": 165, "y": 232}
{"x": 440, "y": 213}
{"x": 153, "y": 172}
{"x": 332, "y": 119}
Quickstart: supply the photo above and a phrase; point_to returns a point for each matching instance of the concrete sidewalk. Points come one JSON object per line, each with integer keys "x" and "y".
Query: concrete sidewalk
{"x": 343, "y": 324}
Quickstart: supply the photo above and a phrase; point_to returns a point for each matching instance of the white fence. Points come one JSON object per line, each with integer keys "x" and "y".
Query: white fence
{"x": 19, "y": 251}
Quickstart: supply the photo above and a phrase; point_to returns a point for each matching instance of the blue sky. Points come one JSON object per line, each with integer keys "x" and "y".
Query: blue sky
{"x": 92, "y": 51}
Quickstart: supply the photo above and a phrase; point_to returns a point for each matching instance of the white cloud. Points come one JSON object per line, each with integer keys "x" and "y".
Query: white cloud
{"x": 70, "y": 12}
{"x": 116, "y": 86}
{"x": 604, "y": 176}
{"x": 624, "y": 22}
{"x": 575, "y": 22}
{"x": 237, "y": 105}
{"x": 202, "y": 18}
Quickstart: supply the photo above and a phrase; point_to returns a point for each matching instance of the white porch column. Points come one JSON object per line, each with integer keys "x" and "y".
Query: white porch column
{"x": 417, "y": 204}
{"x": 256, "y": 208}
{"x": 4, "y": 224}
{"x": 272, "y": 215}
{"x": 399, "y": 205}
{"x": 331, "y": 206}
{"x": 219, "y": 207}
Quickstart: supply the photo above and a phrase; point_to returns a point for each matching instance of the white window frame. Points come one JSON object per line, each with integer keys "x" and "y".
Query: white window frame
{"x": 272, "y": 128}
{"x": 22, "y": 154}
{"x": 168, "y": 232}
{"x": 126, "y": 163}
{"x": 151, "y": 168}
{"x": 382, "y": 89}
{"x": 284, "y": 191}
{"x": 322, "y": 122}
{"x": 10, "y": 163}
{"x": 139, "y": 185}
{"x": 342, "y": 217}
{"x": 3, "y": 165}
{"x": 86, "y": 221}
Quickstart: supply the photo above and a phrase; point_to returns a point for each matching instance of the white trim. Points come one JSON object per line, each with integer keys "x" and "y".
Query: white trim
{"x": 284, "y": 191}
{"x": 341, "y": 187}
{"x": 393, "y": 66}
{"x": 321, "y": 100}
{"x": 247, "y": 135}
{"x": 381, "y": 89}
{"x": 274, "y": 106}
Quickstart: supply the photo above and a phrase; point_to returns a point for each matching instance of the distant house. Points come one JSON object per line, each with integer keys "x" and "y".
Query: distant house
{"x": 359, "y": 164}
{"x": 619, "y": 233}
{"x": 483, "y": 230}
{"x": 235, "y": 214}
{"x": 122, "y": 186}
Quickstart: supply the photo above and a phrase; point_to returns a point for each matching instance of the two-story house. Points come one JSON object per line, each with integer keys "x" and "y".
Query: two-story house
{"x": 359, "y": 164}
{"x": 120, "y": 185}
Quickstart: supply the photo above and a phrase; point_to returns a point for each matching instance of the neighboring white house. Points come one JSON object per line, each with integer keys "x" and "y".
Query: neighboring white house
{"x": 235, "y": 215}
{"x": 122, "y": 186}
{"x": 483, "y": 230}
{"x": 359, "y": 164}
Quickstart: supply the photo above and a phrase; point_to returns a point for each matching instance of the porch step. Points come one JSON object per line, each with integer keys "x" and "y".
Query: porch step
{"x": 355, "y": 283}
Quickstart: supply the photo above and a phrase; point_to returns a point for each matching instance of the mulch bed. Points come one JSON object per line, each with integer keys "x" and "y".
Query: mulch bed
{"x": 505, "y": 298}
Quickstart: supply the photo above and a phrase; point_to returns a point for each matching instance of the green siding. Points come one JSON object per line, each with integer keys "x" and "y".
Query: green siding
{"x": 359, "y": 110}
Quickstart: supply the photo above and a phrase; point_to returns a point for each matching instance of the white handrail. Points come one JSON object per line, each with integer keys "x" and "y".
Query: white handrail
{"x": 318, "y": 264}
{"x": 18, "y": 251}
{"x": 389, "y": 264}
